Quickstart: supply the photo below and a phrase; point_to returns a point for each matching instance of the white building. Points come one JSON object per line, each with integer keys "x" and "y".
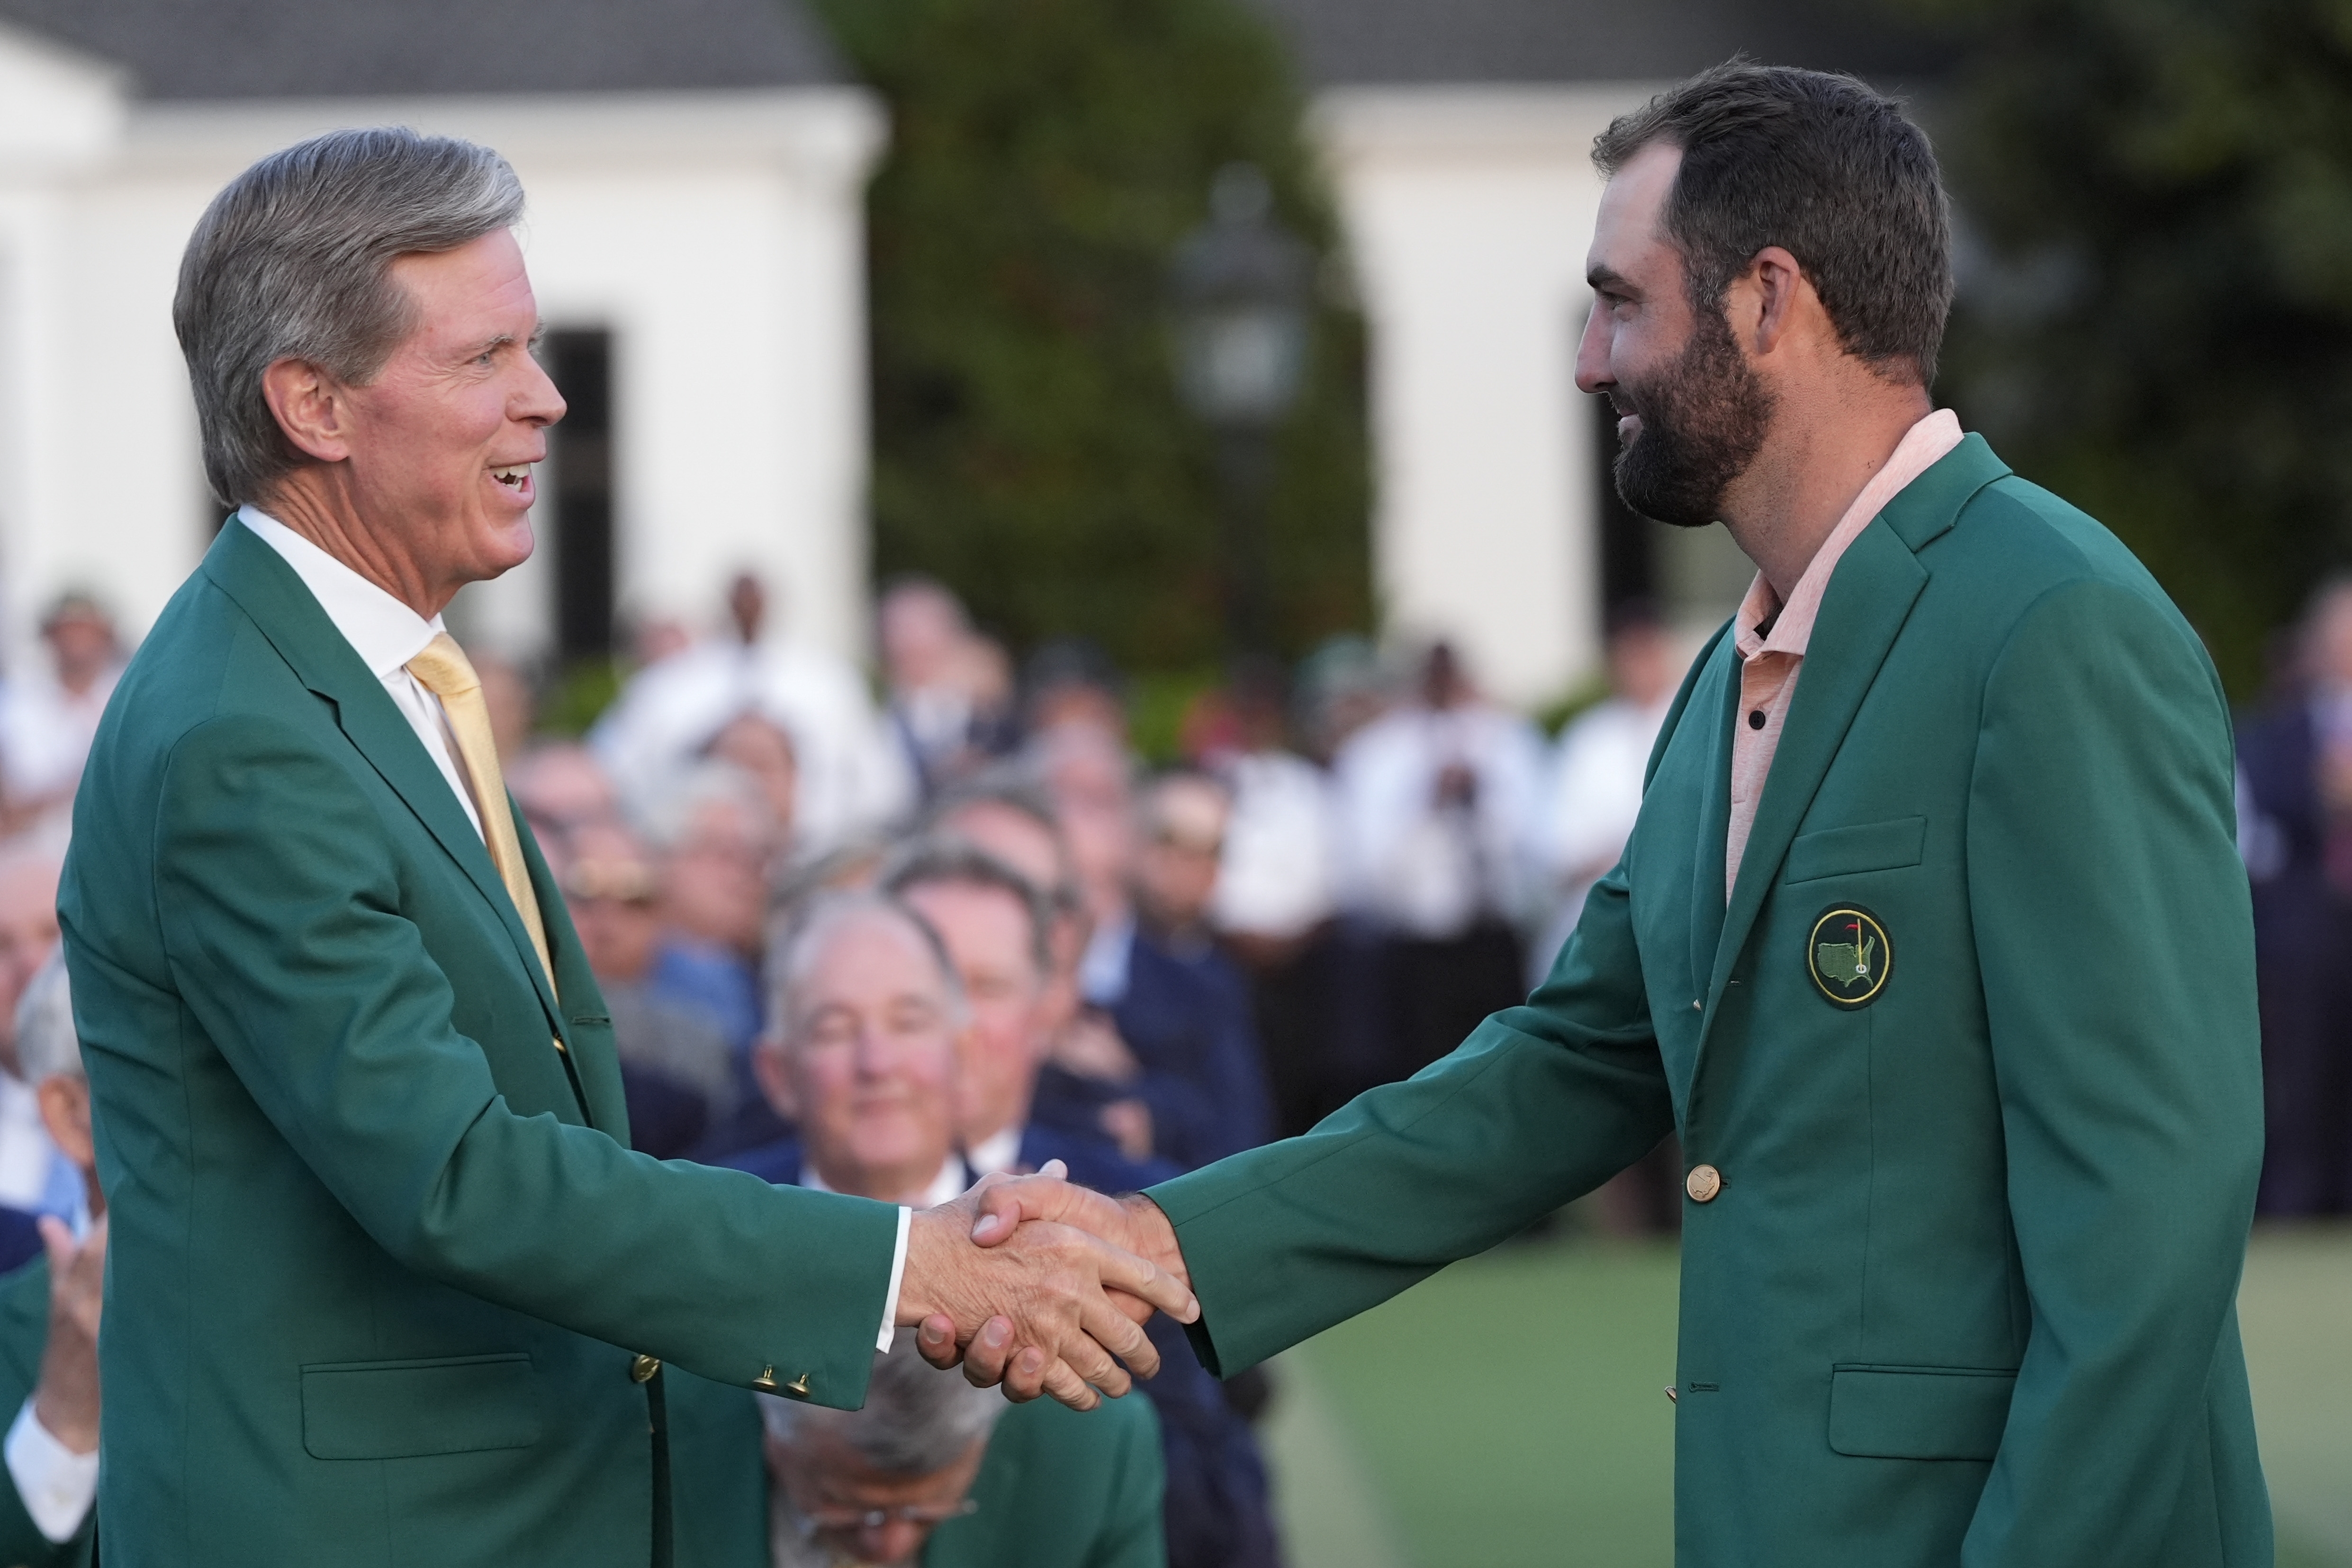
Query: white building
{"x": 1457, "y": 135}
{"x": 696, "y": 172}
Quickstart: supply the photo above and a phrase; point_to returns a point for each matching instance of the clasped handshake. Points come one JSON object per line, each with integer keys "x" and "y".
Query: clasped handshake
{"x": 1042, "y": 1287}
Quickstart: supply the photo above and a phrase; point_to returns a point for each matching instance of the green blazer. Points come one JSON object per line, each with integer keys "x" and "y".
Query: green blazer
{"x": 1965, "y": 1292}
{"x": 381, "y": 1256}
{"x": 1058, "y": 1489}
{"x": 24, "y": 1335}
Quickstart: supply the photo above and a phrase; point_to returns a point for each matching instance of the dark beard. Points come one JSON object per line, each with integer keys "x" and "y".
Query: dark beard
{"x": 1703, "y": 422}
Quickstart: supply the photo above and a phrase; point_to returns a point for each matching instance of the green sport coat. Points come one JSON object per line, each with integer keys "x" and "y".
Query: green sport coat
{"x": 24, "y": 1335}
{"x": 1965, "y": 1292}
{"x": 381, "y": 1256}
{"x": 1058, "y": 1489}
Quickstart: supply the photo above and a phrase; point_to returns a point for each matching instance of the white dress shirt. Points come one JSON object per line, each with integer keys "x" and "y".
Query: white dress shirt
{"x": 57, "y": 1485}
{"x": 945, "y": 1188}
{"x": 387, "y": 634}
{"x": 997, "y": 1153}
{"x": 384, "y": 632}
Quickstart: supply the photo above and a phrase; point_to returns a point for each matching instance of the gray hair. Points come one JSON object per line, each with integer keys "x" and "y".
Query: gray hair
{"x": 811, "y": 930}
{"x": 669, "y": 818}
{"x": 293, "y": 260}
{"x": 917, "y": 1420}
{"x": 947, "y": 859}
{"x": 47, "y": 1041}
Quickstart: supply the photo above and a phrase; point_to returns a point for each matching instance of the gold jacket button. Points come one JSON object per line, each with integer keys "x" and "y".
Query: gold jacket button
{"x": 642, "y": 1369}
{"x": 1703, "y": 1183}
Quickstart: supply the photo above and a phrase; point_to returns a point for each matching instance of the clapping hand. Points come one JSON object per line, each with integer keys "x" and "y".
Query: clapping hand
{"x": 1006, "y": 1210}
{"x": 1025, "y": 1299}
{"x": 65, "y": 1400}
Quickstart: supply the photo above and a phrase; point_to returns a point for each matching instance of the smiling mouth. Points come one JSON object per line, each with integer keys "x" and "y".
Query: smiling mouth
{"x": 514, "y": 475}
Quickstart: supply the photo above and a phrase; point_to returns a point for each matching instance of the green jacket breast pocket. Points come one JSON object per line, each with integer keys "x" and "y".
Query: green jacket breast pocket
{"x": 1865, "y": 847}
{"x": 1918, "y": 1411}
{"x": 405, "y": 1409}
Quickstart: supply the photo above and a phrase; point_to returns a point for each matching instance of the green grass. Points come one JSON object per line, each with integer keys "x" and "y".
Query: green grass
{"x": 1510, "y": 1412}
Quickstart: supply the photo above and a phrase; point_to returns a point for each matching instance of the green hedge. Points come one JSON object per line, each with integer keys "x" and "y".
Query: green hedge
{"x": 1046, "y": 158}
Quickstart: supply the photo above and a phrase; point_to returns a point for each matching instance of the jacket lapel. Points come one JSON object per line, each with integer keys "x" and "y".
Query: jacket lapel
{"x": 270, "y": 592}
{"x": 1870, "y": 596}
{"x": 1716, "y": 703}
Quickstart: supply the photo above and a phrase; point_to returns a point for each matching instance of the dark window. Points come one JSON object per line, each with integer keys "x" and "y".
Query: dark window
{"x": 580, "y": 450}
{"x": 1629, "y": 542}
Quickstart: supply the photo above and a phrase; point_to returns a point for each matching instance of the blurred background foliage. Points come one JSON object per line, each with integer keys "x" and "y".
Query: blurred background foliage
{"x": 2155, "y": 315}
{"x": 1046, "y": 157}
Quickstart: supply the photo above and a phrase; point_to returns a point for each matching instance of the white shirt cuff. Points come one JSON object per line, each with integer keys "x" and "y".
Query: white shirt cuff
{"x": 56, "y": 1484}
{"x": 889, "y": 1298}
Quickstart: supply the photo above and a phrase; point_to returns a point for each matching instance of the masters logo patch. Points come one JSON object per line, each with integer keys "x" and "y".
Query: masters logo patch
{"x": 1849, "y": 956}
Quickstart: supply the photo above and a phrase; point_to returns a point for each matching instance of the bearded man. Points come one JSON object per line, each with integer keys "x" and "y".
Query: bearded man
{"x": 1931, "y": 943}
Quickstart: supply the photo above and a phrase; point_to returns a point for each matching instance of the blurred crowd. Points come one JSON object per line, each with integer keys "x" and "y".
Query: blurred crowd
{"x": 884, "y": 936}
{"x": 2295, "y": 829}
{"x": 887, "y": 937}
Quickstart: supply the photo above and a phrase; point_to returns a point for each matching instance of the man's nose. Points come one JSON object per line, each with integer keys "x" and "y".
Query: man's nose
{"x": 536, "y": 401}
{"x": 1592, "y": 373}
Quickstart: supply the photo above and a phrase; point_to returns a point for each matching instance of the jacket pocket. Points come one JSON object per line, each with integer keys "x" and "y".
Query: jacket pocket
{"x": 405, "y": 1409}
{"x": 1918, "y": 1411}
{"x": 1868, "y": 846}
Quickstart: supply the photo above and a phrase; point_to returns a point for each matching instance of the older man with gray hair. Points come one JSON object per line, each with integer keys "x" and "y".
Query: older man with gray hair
{"x": 930, "y": 1472}
{"x": 388, "y": 1283}
{"x": 49, "y": 1311}
{"x": 863, "y": 1044}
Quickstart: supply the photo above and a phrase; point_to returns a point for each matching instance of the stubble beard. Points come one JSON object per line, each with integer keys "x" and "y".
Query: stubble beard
{"x": 1704, "y": 419}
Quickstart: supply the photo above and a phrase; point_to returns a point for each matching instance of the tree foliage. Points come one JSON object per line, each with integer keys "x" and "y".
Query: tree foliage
{"x": 2156, "y": 311}
{"x": 1046, "y": 157}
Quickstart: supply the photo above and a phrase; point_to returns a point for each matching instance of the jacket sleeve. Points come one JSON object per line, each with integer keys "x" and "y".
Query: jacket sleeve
{"x": 1541, "y": 1104}
{"x": 22, "y": 1545}
{"x": 24, "y": 1338}
{"x": 1133, "y": 1533}
{"x": 281, "y": 921}
{"x": 2112, "y": 924}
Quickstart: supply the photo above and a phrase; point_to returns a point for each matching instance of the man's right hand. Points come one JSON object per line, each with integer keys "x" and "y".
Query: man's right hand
{"x": 1007, "y": 1209}
{"x": 1046, "y": 1304}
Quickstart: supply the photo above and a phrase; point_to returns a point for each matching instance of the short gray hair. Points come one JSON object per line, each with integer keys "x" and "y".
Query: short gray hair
{"x": 917, "y": 1420}
{"x": 293, "y": 260}
{"x": 944, "y": 859}
{"x": 812, "y": 928}
{"x": 47, "y": 1041}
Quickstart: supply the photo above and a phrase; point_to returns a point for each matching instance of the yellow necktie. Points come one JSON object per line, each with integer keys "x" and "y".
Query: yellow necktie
{"x": 446, "y": 672}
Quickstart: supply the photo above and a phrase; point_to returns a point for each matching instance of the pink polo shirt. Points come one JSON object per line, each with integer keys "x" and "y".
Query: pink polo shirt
{"x": 1770, "y": 665}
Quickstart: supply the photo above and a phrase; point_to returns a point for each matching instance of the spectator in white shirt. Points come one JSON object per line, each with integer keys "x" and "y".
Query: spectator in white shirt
{"x": 1436, "y": 803}
{"x": 49, "y": 717}
{"x": 1595, "y": 788}
{"x": 850, "y": 777}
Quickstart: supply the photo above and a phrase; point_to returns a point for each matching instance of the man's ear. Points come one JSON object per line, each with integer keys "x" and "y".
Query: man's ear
{"x": 312, "y": 408}
{"x": 1781, "y": 293}
{"x": 773, "y": 1070}
{"x": 65, "y": 1111}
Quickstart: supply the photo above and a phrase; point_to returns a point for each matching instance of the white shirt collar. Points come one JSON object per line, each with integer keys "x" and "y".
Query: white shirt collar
{"x": 1102, "y": 969}
{"x": 996, "y": 1153}
{"x": 384, "y": 632}
{"x": 946, "y": 1187}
